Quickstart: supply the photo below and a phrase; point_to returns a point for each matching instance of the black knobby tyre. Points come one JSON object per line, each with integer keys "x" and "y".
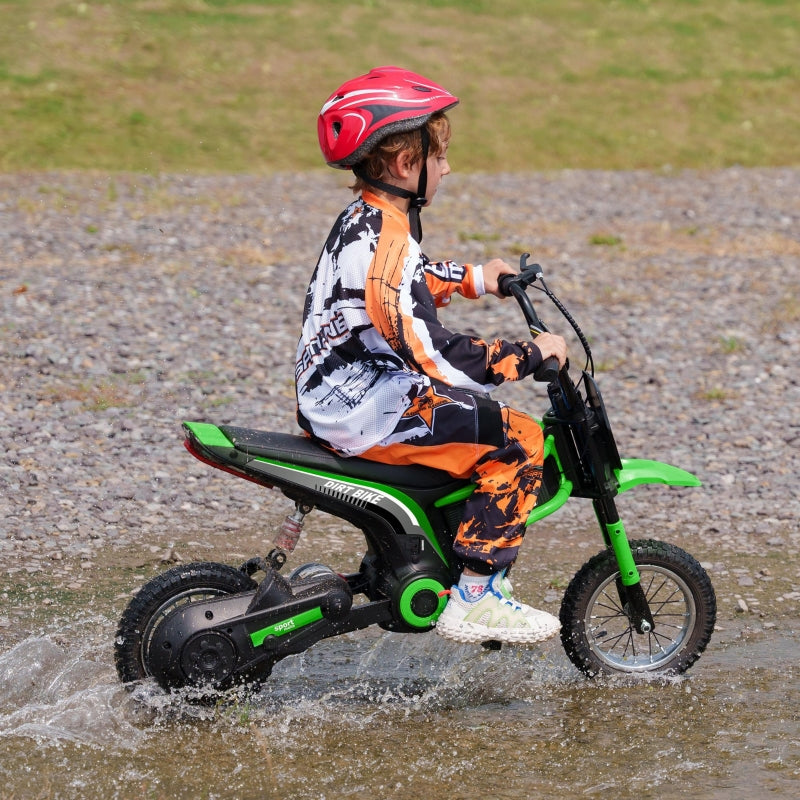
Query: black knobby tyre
{"x": 597, "y": 634}
{"x": 183, "y": 584}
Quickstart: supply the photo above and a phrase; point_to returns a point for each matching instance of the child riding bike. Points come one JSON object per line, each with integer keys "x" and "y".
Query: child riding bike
{"x": 380, "y": 377}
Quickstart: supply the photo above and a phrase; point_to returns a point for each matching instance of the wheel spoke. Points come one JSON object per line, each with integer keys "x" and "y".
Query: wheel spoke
{"x": 614, "y": 639}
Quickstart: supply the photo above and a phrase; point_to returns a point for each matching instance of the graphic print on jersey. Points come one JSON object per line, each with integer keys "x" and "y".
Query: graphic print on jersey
{"x": 371, "y": 338}
{"x": 426, "y": 406}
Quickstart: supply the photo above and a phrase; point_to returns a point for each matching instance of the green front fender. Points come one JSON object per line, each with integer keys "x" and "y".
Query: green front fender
{"x": 636, "y": 471}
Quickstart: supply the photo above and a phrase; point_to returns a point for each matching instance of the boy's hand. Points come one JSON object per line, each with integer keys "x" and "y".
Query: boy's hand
{"x": 551, "y": 344}
{"x": 492, "y": 270}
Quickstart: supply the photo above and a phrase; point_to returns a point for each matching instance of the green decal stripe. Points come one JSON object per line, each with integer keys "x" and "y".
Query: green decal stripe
{"x": 212, "y": 436}
{"x": 410, "y": 504}
{"x": 286, "y": 626}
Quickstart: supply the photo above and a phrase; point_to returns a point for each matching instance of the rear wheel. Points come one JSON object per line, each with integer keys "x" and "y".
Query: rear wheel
{"x": 159, "y": 597}
{"x": 595, "y": 628}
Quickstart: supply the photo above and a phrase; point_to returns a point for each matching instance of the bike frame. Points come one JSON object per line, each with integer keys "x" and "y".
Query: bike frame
{"x": 409, "y": 515}
{"x": 410, "y": 518}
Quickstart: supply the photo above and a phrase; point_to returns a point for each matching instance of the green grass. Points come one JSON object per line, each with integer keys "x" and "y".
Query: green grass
{"x": 605, "y": 239}
{"x": 222, "y": 85}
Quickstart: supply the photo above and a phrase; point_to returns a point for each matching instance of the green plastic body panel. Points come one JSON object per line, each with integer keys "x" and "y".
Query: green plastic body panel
{"x": 286, "y": 626}
{"x": 563, "y": 492}
{"x": 561, "y": 496}
{"x": 209, "y": 435}
{"x": 636, "y": 471}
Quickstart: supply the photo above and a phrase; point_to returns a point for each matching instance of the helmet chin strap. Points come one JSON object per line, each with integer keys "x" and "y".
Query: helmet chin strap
{"x": 416, "y": 199}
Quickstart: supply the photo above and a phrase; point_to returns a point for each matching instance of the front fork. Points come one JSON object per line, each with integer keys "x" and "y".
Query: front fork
{"x": 629, "y": 587}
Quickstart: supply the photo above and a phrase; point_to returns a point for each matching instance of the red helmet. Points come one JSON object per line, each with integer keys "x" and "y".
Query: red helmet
{"x": 366, "y": 109}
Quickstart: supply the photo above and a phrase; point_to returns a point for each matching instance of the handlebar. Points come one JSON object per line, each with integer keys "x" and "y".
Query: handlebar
{"x": 516, "y": 286}
{"x": 548, "y": 370}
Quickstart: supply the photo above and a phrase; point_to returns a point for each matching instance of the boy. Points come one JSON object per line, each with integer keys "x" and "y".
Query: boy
{"x": 378, "y": 376}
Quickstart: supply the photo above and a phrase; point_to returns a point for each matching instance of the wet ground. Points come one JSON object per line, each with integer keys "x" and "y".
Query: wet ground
{"x": 375, "y": 715}
{"x": 130, "y": 303}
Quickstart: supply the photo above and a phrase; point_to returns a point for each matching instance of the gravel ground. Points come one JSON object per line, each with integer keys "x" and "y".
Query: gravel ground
{"x": 129, "y": 303}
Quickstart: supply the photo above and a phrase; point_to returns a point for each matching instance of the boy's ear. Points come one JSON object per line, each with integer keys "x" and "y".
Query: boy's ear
{"x": 403, "y": 164}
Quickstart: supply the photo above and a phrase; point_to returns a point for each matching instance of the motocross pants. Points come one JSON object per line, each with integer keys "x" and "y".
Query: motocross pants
{"x": 470, "y": 436}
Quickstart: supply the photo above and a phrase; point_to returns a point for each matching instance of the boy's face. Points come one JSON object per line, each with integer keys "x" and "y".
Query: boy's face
{"x": 406, "y": 175}
{"x": 438, "y": 167}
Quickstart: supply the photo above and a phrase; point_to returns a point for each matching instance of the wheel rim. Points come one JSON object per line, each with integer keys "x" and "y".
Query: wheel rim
{"x": 193, "y": 595}
{"x": 614, "y": 640}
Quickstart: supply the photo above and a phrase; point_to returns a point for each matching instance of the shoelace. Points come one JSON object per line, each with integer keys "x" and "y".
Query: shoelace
{"x": 513, "y": 603}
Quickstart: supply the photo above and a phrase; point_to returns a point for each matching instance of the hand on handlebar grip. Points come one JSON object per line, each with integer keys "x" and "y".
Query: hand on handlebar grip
{"x": 494, "y": 272}
{"x": 504, "y": 284}
{"x": 547, "y": 371}
{"x": 554, "y": 353}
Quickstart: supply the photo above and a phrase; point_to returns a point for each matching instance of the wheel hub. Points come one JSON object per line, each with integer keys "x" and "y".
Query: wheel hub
{"x": 208, "y": 658}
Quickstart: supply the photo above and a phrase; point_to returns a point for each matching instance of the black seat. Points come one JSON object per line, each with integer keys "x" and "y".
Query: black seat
{"x": 304, "y": 451}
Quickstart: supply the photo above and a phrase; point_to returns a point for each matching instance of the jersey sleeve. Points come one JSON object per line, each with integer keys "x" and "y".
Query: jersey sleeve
{"x": 402, "y": 306}
{"x": 462, "y": 360}
{"x": 445, "y": 278}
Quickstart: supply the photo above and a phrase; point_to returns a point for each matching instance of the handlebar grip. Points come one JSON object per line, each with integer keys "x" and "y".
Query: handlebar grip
{"x": 504, "y": 284}
{"x": 547, "y": 372}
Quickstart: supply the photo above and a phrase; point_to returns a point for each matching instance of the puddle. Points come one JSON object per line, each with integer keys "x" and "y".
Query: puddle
{"x": 383, "y": 715}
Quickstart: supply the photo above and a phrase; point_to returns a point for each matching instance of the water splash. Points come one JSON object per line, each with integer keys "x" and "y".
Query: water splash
{"x": 393, "y": 715}
{"x": 58, "y": 692}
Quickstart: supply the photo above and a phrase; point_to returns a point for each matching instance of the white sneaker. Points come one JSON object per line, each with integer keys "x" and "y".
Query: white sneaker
{"x": 505, "y": 588}
{"x": 494, "y": 617}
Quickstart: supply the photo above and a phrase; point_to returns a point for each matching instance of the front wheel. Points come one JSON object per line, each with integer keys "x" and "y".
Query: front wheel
{"x": 597, "y": 633}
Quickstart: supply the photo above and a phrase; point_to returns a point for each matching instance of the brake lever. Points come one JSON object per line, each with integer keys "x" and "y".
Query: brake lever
{"x": 531, "y": 272}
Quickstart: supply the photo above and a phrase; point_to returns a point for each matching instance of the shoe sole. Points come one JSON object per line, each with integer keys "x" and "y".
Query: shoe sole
{"x": 470, "y": 633}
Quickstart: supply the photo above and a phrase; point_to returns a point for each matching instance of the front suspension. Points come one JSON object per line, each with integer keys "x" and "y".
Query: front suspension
{"x": 631, "y": 595}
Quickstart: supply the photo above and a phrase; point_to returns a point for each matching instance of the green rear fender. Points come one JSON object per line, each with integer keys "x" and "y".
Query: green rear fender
{"x": 208, "y": 435}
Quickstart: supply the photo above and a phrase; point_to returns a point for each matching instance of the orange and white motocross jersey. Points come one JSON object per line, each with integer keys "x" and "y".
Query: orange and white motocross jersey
{"x": 371, "y": 339}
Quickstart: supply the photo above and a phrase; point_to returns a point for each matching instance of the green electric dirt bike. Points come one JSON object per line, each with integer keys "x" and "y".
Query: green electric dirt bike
{"x": 637, "y": 607}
